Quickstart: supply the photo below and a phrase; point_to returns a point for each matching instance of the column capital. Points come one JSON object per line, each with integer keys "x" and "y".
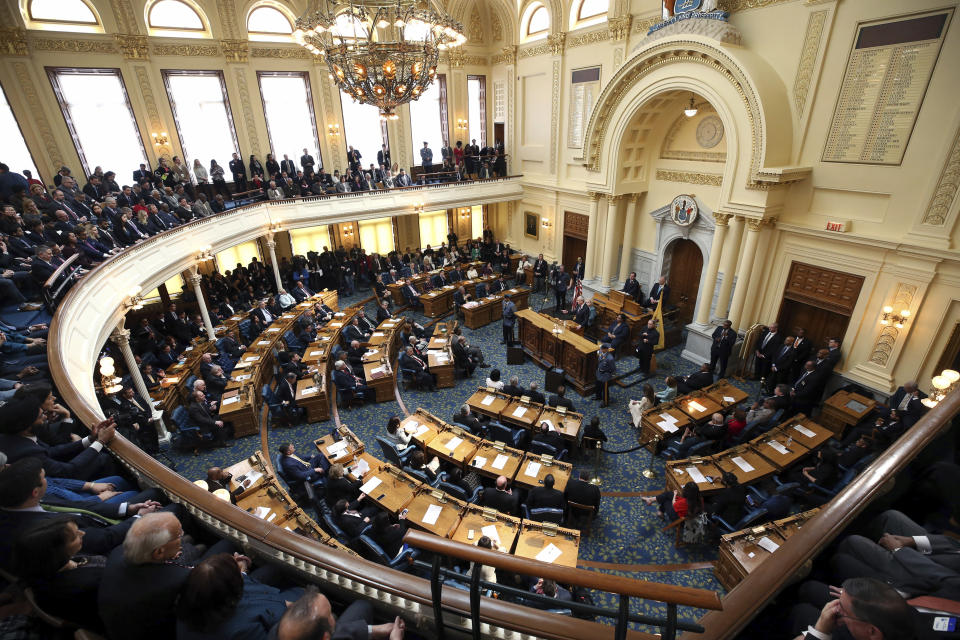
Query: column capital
{"x": 120, "y": 337}
{"x": 271, "y": 243}
{"x": 722, "y": 219}
{"x": 195, "y": 279}
{"x": 754, "y": 224}
{"x": 595, "y": 195}
{"x": 614, "y": 199}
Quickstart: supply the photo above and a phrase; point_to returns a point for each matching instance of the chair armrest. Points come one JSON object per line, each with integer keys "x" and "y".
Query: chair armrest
{"x": 723, "y": 523}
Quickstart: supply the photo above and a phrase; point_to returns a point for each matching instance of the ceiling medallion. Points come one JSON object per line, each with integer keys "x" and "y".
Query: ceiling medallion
{"x": 379, "y": 52}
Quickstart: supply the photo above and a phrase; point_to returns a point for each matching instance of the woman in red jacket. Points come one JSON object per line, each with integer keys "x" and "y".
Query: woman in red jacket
{"x": 678, "y": 504}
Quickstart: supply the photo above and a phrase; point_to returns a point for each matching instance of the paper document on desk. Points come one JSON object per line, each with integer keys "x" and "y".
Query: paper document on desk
{"x": 480, "y": 461}
{"x": 669, "y": 427}
{"x": 433, "y": 512}
{"x": 263, "y": 342}
{"x": 488, "y": 400}
{"x": 696, "y": 475}
{"x": 491, "y": 532}
{"x": 227, "y": 401}
{"x": 453, "y": 443}
{"x": 519, "y": 411}
{"x": 337, "y": 448}
{"x": 261, "y": 512}
{"x": 308, "y": 391}
{"x": 729, "y": 399}
{"x": 666, "y": 417}
{"x": 370, "y": 484}
{"x": 549, "y": 425}
{"x": 768, "y": 544}
{"x": 273, "y": 329}
{"x": 802, "y": 429}
{"x": 251, "y": 359}
{"x": 245, "y": 376}
{"x": 533, "y": 468}
{"x": 549, "y": 553}
{"x": 779, "y": 448}
{"x": 316, "y": 353}
{"x": 360, "y": 468}
{"x": 743, "y": 464}
{"x": 500, "y": 461}
{"x": 422, "y": 429}
{"x": 339, "y": 314}
{"x": 251, "y": 478}
{"x": 696, "y": 406}
{"x": 325, "y": 338}
{"x": 378, "y": 334}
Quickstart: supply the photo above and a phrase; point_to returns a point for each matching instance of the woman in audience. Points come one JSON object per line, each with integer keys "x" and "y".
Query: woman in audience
{"x": 47, "y": 558}
{"x": 203, "y": 178}
{"x": 71, "y": 246}
{"x": 638, "y": 407}
{"x": 487, "y": 573}
{"x": 494, "y": 380}
{"x": 736, "y": 423}
{"x": 395, "y": 434}
{"x": 472, "y": 273}
{"x": 673, "y": 505}
{"x": 219, "y": 183}
{"x": 670, "y": 392}
{"x": 220, "y": 600}
{"x": 418, "y": 462}
{"x": 389, "y": 536}
{"x": 339, "y": 486}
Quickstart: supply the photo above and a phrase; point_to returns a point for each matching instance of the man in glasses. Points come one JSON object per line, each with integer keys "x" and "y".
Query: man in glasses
{"x": 862, "y": 609}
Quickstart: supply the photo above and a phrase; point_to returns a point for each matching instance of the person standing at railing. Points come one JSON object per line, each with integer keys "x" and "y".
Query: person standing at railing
{"x": 426, "y": 158}
{"x": 239, "y": 173}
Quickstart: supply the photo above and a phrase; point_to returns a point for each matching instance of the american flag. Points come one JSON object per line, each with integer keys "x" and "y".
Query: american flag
{"x": 577, "y": 292}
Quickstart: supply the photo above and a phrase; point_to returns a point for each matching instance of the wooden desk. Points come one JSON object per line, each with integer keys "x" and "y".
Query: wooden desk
{"x": 465, "y": 445}
{"x": 532, "y": 541}
{"x": 445, "y": 522}
{"x": 576, "y": 355}
{"x": 699, "y": 406}
{"x": 806, "y": 426}
{"x": 422, "y": 427}
{"x": 527, "y": 418}
{"x": 503, "y": 529}
{"x": 380, "y": 377}
{"x": 650, "y": 423}
{"x": 567, "y": 424}
{"x": 483, "y": 311}
{"x": 437, "y": 343}
{"x": 343, "y": 454}
{"x": 480, "y": 403}
{"x": 394, "y": 491}
{"x": 725, "y": 394}
{"x": 560, "y": 470}
{"x": 488, "y": 455}
{"x": 314, "y": 399}
{"x": 844, "y": 409}
{"x": 778, "y": 448}
{"x": 739, "y": 461}
{"x": 362, "y": 466}
{"x": 268, "y": 502}
{"x": 677, "y": 475}
{"x": 237, "y": 409}
{"x": 437, "y": 302}
{"x": 440, "y": 363}
{"x": 740, "y": 553}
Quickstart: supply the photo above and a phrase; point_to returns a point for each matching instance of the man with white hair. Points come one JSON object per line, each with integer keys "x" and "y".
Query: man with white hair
{"x": 285, "y": 300}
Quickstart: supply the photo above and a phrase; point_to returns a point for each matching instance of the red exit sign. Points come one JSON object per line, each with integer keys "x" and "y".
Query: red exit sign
{"x": 839, "y": 226}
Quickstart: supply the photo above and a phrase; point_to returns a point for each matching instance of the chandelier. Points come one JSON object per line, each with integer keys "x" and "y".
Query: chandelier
{"x": 379, "y": 52}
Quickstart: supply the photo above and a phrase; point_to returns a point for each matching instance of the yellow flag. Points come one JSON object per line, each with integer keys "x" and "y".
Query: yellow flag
{"x": 658, "y": 319}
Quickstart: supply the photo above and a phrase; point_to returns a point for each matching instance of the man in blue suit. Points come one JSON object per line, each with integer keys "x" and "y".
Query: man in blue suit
{"x": 606, "y": 370}
{"x": 906, "y": 401}
{"x": 724, "y": 337}
{"x": 296, "y": 469}
{"x": 659, "y": 291}
{"x": 619, "y": 332}
{"x": 345, "y": 380}
{"x": 509, "y": 319}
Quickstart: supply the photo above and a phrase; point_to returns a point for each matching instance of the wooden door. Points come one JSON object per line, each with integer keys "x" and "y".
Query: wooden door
{"x": 686, "y": 263}
{"x": 573, "y": 248}
{"x": 498, "y": 133}
{"x": 819, "y": 324}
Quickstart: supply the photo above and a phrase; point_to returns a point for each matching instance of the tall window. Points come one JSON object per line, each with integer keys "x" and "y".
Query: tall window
{"x": 288, "y": 106}
{"x": 584, "y": 89}
{"x": 97, "y": 110}
{"x": 201, "y": 112}
{"x": 174, "y": 287}
{"x": 310, "y": 239}
{"x": 476, "y": 221}
{"x": 15, "y": 153}
{"x": 535, "y": 23}
{"x": 376, "y": 236}
{"x": 363, "y": 130}
{"x": 477, "y": 98}
{"x": 243, "y": 253}
{"x": 268, "y": 22}
{"x": 433, "y": 228}
{"x": 588, "y": 12}
{"x": 175, "y": 18}
{"x": 61, "y": 15}
{"x": 428, "y": 120}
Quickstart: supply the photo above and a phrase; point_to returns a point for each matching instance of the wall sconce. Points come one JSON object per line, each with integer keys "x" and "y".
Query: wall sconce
{"x": 333, "y": 130}
{"x": 135, "y": 300}
{"x": 348, "y": 230}
{"x": 276, "y": 227}
{"x": 692, "y": 109}
{"x": 898, "y": 320}
{"x": 545, "y": 223}
{"x": 160, "y": 139}
{"x": 418, "y": 208}
{"x": 462, "y": 124}
{"x": 942, "y": 385}
{"x": 464, "y": 212}
{"x": 110, "y": 383}
{"x": 206, "y": 254}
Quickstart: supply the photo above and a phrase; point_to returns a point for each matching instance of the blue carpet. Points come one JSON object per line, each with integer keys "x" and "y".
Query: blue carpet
{"x": 626, "y": 531}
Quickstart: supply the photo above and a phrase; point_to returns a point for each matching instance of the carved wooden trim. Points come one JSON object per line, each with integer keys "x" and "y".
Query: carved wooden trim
{"x": 808, "y": 59}
{"x": 888, "y": 336}
{"x": 947, "y": 187}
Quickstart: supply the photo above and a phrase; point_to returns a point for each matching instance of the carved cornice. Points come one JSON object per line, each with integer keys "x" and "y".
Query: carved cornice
{"x": 537, "y": 50}
{"x": 808, "y": 59}
{"x": 888, "y": 336}
{"x": 235, "y": 50}
{"x": 743, "y": 5}
{"x": 721, "y": 219}
{"x": 557, "y": 42}
{"x": 619, "y": 28}
{"x": 947, "y": 187}
{"x": 455, "y": 58}
{"x": 286, "y": 53}
{"x": 133, "y": 47}
{"x": 600, "y": 35}
{"x": 123, "y": 14}
{"x": 695, "y": 156}
{"x": 73, "y": 46}
{"x": 13, "y": 42}
{"x": 507, "y": 55}
{"x": 643, "y": 25}
{"x": 690, "y": 177}
{"x": 186, "y": 50}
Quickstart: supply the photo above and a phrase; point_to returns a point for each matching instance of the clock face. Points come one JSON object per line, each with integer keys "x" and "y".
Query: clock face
{"x": 683, "y": 210}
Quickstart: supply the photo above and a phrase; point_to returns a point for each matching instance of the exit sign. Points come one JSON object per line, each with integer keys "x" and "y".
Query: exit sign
{"x": 839, "y": 226}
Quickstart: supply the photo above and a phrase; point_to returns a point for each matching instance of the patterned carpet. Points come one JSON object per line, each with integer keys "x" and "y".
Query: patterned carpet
{"x": 626, "y": 534}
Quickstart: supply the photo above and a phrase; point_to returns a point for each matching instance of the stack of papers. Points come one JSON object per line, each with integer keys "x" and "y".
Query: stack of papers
{"x": 729, "y": 399}
{"x": 519, "y": 411}
{"x": 779, "y": 448}
{"x": 453, "y": 443}
{"x": 360, "y": 468}
{"x": 669, "y": 427}
{"x": 802, "y": 429}
{"x": 743, "y": 464}
{"x": 491, "y": 532}
{"x": 696, "y": 406}
{"x": 533, "y": 469}
{"x": 227, "y": 401}
{"x": 309, "y": 391}
{"x": 768, "y": 544}
{"x": 337, "y": 448}
{"x": 696, "y": 475}
{"x": 488, "y": 400}
{"x": 549, "y": 553}
{"x": 370, "y": 485}
{"x": 479, "y": 461}
{"x": 422, "y": 429}
{"x": 433, "y": 512}
{"x": 500, "y": 462}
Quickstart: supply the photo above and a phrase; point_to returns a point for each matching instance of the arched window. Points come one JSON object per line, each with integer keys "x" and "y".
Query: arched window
{"x": 588, "y": 12}
{"x": 267, "y": 22}
{"x": 61, "y": 15}
{"x": 536, "y": 22}
{"x": 176, "y": 18}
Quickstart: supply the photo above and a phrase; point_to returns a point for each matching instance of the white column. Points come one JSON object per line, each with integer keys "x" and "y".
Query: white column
{"x": 195, "y": 280}
{"x": 272, "y": 246}
{"x": 728, "y": 264}
{"x": 710, "y": 281}
{"x": 589, "y": 272}
{"x": 610, "y": 240}
{"x": 746, "y": 266}
{"x": 121, "y": 338}
{"x": 629, "y": 227}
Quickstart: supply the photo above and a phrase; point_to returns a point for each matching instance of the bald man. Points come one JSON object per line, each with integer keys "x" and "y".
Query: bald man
{"x": 311, "y": 618}
{"x": 502, "y": 499}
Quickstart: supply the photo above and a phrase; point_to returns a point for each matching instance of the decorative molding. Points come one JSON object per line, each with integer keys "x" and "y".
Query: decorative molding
{"x": 496, "y": 27}
{"x": 475, "y": 28}
{"x": 455, "y": 58}
{"x": 73, "y": 46}
{"x": 690, "y": 177}
{"x": 133, "y": 47}
{"x": 695, "y": 156}
{"x": 331, "y": 108}
{"x": 235, "y": 50}
{"x": 718, "y": 30}
{"x": 619, "y": 28}
{"x": 281, "y": 52}
{"x": 511, "y": 129}
{"x": 555, "y": 115}
{"x": 149, "y": 102}
{"x": 755, "y": 224}
{"x": 240, "y": 75}
{"x": 29, "y": 92}
{"x": 537, "y": 50}
{"x": 947, "y": 187}
{"x": 123, "y": 14}
{"x": 643, "y": 25}
{"x": 557, "y": 41}
{"x": 13, "y": 42}
{"x": 888, "y": 336}
{"x": 808, "y": 59}
{"x": 617, "y": 57}
{"x": 600, "y": 35}
{"x": 186, "y": 50}
{"x": 743, "y": 5}
{"x": 721, "y": 219}
{"x": 507, "y": 55}
{"x": 228, "y": 17}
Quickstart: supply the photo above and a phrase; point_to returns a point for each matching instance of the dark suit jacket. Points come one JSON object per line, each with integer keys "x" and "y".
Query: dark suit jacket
{"x": 557, "y": 401}
{"x": 620, "y": 332}
{"x": 631, "y": 288}
{"x": 543, "y": 497}
{"x": 263, "y": 316}
{"x": 783, "y": 359}
{"x": 352, "y": 525}
{"x": 501, "y": 501}
{"x": 551, "y": 438}
{"x": 200, "y": 415}
{"x": 351, "y": 333}
{"x": 382, "y": 315}
{"x": 915, "y": 408}
{"x": 697, "y": 380}
{"x": 293, "y": 470}
{"x": 582, "y": 492}
{"x": 536, "y": 396}
{"x": 512, "y": 390}
{"x": 772, "y": 348}
{"x": 723, "y": 345}
{"x": 286, "y": 394}
{"x": 70, "y": 460}
{"x": 658, "y": 292}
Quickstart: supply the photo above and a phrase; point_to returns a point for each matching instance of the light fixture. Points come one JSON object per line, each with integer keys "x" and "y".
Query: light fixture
{"x": 276, "y": 227}
{"x": 160, "y": 139}
{"x": 333, "y": 130}
{"x": 692, "y": 109}
{"x": 379, "y": 52}
{"x": 418, "y": 208}
{"x": 942, "y": 385}
{"x": 462, "y": 124}
{"x": 206, "y": 254}
{"x": 348, "y": 230}
{"x": 464, "y": 212}
{"x": 898, "y": 320}
{"x": 545, "y": 223}
{"x": 135, "y": 299}
{"x": 109, "y": 383}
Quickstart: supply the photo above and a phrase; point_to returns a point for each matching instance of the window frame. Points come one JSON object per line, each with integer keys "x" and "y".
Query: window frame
{"x": 527, "y": 35}
{"x": 483, "y": 105}
{"x": 174, "y": 32}
{"x": 270, "y": 36}
{"x": 305, "y": 75}
{"x": 96, "y": 17}
{"x": 53, "y": 75}
{"x": 384, "y": 134}
{"x": 166, "y": 74}
{"x": 13, "y": 114}
{"x": 443, "y": 115}
{"x": 578, "y": 20}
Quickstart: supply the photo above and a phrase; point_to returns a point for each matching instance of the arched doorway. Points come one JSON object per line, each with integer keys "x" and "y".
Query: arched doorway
{"x": 683, "y": 263}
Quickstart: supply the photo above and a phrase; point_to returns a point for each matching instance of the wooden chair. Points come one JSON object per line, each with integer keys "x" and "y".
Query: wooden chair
{"x": 580, "y": 516}
{"x": 678, "y": 526}
{"x": 591, "y": 444}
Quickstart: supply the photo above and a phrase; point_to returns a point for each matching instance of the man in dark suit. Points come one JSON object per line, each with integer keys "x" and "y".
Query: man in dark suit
{"x": 296, "y": 469}
{"x": 410, "y": 360}
{"x": 200, "y": 415}
{"x": 355, "y": 354}
{"x": 354, "y": 332}
{"x": 545, "y": 496}
{"x": 312, "y": 617}
{"x": 300, "y": 292}
{"x": 561, "y": 282}
{"x": 782, "y": 364}
{"x": 533, "y": 392}
{"x": 411, "y": 294}
{"x": 632, "y": 287}
{"x": 767, "y": 347}
{"x": 142, "y": 174}
{"x": 834, "y": 355}
{"x": 906, "y": 401}
{"x": 724, "y": 337}
{"x": 619, "y": 332}
{"x": 806, "y": 389}
{"x": 582, "y": 491}
{"x": 461, "y": 356}
{"x": 345, "y": 380}
{"x": 351, "y": 521}
{"x": 560, "y": 400}
{"x": 694, "y": 381}
{"x": 581, "y": 312}
{"x": 42, "y": 267}
{"x": 287, "y": 394}
{"x": 606, "y": 370}
{"x": 513, "y": 389}
{"x": 540, "y": 269}
{"x": 649, "y": 338}
{"x": 239, "y": 172}
{"x": 659, "y": 291}
{"x": 460, "y": 296}
{"x": 263, "y": 313}
{"x": 509, "y": 319}
{"x": 802, "y": 350}
{"x": 502, "y": 498}
{"x": 288, "y": 166}
{"x": 383, "y": 312}
{"x": 549, "y": 437}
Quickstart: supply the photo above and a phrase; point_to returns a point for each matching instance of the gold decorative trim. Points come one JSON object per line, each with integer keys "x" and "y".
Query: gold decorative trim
{"x": 476, "y": 26}
{"x": 744, "y": 5}
{"x": 695, "y": 156}
{"x": 555, "y": 115}
{"x": 888, "y": 336}
{"x": 507, "y": 55}
{"x": 29, "y": 92}
{"x": 721, "y": 219}
{"x": 133, "y": 47}
{"x": 298, "y": 53}
{"x": 13, "y": 42}
{"x": 228, "y": 17}
{"x": 186, "y": 50}
{"x": 690, "y": 177}
{"x": 619, "y": 28}
{"x": 73, "y": 46}
{"x": 247, "y": 110}
{"x": 149, "y": 103}
{"x": 600, "y": 35}
{"x": 496, "y": 27}
{"x": 643, "y": 25}
{"x": 808, "y": 59}
{"x": 537, "y": 50}
{"x": 947, "y": 187}
{"x": 235, "y": 50}
{"x": 557, "y": 41}
{"x": 123, "y": 14}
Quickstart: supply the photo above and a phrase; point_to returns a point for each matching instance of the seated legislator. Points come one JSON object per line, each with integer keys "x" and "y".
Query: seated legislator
{"x": 296, "y": 468}
{"x": 502, "y": 497}
{"x": 545, "y": 496}
{"x": 345, "y": 380}
{"x": 582, "y": 491}
{"x": 559, "y": 399}
{"x": 200, "y": 415}
{"x": 695, "y": 381}
{"x": 631, "y": 287}
{"x": 409, "y": 360}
